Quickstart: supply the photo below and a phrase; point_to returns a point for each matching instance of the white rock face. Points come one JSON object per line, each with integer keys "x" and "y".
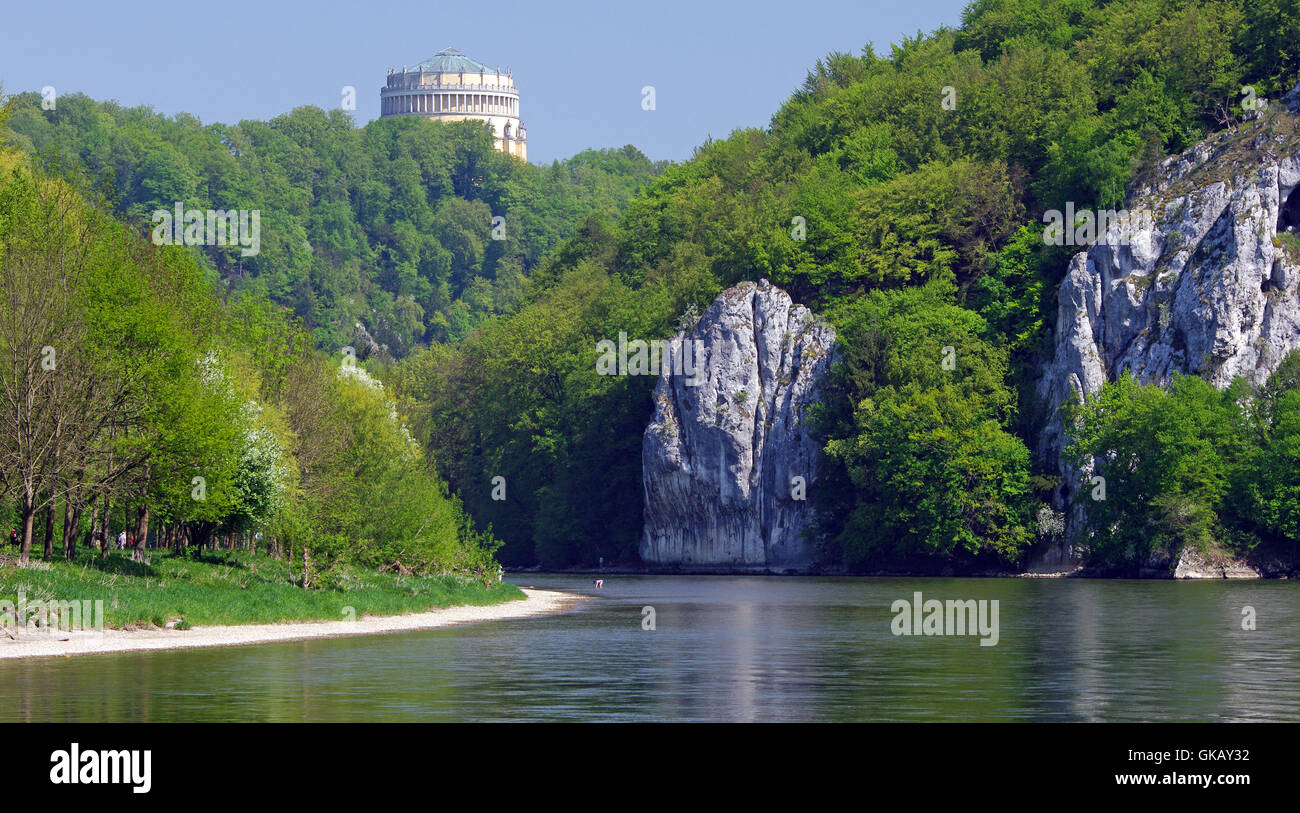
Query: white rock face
{"x": 719, "y": 457}
{"x": 1208, "y": 287}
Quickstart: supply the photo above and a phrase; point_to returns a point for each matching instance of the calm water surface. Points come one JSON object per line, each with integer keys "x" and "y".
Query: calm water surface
{"x": 735, "y": 648}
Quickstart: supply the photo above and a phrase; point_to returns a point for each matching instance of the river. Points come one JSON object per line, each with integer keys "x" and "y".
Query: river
{"x": 736, "y": 648}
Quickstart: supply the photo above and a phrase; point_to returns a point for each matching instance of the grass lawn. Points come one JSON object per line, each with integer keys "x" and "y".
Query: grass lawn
{"x": 231, "y": 588}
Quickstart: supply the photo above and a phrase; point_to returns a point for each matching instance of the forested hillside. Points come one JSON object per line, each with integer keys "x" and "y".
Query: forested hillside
{"x": 901, "y": 195}
{"x": 138, "y": 401}
{"x": 918, "y": 180}
{"x": 389, "y": 226}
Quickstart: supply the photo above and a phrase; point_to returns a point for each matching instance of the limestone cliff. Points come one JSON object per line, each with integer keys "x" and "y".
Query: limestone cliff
{"x": 1210, "y": 286}
{"x": 722, "y": 453}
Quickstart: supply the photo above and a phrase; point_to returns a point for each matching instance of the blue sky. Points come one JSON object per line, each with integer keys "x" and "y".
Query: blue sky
{"x": 254, "y": 60}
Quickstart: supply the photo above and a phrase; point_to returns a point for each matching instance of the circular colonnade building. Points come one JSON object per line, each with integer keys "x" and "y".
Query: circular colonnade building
{"x": 450, "y": 86}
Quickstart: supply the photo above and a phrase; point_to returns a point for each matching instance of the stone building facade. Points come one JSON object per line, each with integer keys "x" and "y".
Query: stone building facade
{"x": 450, "y": 86}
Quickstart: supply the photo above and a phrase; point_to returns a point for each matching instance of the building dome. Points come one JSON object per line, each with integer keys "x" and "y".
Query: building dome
{"x": 450, "y": 86}
{"x": 449, "y": 60}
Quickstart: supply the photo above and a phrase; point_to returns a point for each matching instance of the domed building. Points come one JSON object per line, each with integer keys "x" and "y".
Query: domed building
{"x": 452, "y": 87}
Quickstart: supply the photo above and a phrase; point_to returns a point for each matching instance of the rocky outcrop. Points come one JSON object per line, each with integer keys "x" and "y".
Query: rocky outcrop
{"x": 364, "y": 344}
{"x": 722, "y": 456}
{"x": 1210, "y": 285}
{"x": 1191, "y": 563}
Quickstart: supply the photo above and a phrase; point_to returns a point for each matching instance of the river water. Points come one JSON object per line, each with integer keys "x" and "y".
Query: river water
{"x": 735, "y": 648}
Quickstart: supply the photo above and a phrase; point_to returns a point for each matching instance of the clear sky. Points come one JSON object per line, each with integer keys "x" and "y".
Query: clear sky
{"x": 580, "y": 66}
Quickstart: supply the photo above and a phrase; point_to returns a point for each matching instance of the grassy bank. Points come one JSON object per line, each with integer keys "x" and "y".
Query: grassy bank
{"x": 232, "y": 588}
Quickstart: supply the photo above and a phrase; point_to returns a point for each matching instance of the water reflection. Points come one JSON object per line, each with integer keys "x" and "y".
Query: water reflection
{"x": 735, "y": 648}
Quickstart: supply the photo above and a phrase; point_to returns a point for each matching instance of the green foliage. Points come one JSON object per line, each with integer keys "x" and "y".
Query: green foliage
{"x": 1171, "y": 459}
{"x": 1269, "y": 44}
{"x": 932, "y": 473}
{"x": 915, "y": 225}
{"x": 389, "y": 225}
{"x": 239, "y": 588}
{"x": 520, "y": 399}
{"x": 202, "y": 417}
{"x": 1274, "y": 484}
{"x": 1013, "y": 296}
{"x": 864, "y": 188}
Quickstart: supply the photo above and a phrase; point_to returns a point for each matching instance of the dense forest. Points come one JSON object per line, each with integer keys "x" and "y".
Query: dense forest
{"x": 388, "y": 226}
{"x": 138, "y": 401}
{"x": 899, "y": 195}
{"x": 922, "y": 230}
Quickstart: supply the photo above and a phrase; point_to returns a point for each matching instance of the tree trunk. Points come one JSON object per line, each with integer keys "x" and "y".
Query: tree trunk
{"x": 71, "y": 519}
{"x": 48, "y": 553}
{"x": 25, "y": 554}
{"x": 141, "y": 532}
{"x": 95, "y": 528}
{"x": 106, "y": 529}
